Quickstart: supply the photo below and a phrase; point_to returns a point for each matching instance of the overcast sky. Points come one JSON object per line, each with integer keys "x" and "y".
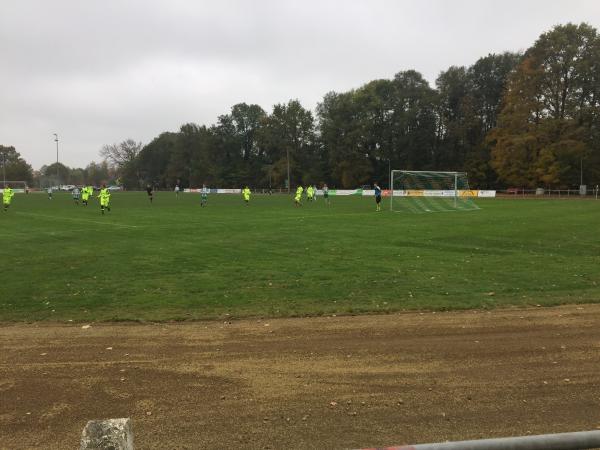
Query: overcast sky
{"x": 99, "y": 72}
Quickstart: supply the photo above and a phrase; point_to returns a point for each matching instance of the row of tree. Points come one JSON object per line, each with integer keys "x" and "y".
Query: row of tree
{"x": 15, "y": 168}
{"x": 513, "y": 119}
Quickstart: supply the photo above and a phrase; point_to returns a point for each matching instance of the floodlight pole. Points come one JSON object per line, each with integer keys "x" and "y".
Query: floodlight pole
{"x": 57, "y": 176}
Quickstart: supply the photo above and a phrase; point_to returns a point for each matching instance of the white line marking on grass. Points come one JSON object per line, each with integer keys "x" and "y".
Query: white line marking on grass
{"x": 77, "y": 220}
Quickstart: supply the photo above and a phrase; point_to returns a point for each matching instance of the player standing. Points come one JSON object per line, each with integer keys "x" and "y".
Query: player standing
{"x": 150, "y": 192}
{"x": 177, "y": 190}
{"x": 75, "y": 193}
{"x": 104, "y": 197}
{"x": 7, "y": 195}
{"x": 377, "y": 196}
{"x": 298, "y": 196}
{"x": 49, "y": 191}
{"x": 326, "y": 194}
{"x": 310, "y": 193}
{"x": 246, "y": 194}
{"x": 203, "y": 195}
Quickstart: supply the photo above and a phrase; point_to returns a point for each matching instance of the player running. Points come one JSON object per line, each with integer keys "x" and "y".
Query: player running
{"x": 203, "y": 195}
{"x": 150, "y": 192}
{"x": 75, "y": 193}
{"x": 7, "y": 195}
{"x": 298, "y": 196}
{"x": 104, "y": 197}
{"x": 246, "y": 194}
{"x": 49, "y": 191}
{"x": 85, "y": 195}
{"x": 377, "y": 196}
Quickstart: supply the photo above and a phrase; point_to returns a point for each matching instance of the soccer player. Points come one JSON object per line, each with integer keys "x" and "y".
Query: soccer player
{"x": 203, "y": 195}
{"x": 7, "y": 195}
{"x": 326, "y": 194}
{"x": 246, "y": 194}
{"x": 75, "y": 193}
{"x": 104, "y": 197}
{"x": 90, "y": 193}
{"x": 377, "y": 196}
{"x": 49, "y": 191}
{"x": 177, "y": 190}
{"x": 85, "y": 195}
{"x": 298, "y": 197}
{"x": 150, "y": 192}
{"x": 310, "y": 193}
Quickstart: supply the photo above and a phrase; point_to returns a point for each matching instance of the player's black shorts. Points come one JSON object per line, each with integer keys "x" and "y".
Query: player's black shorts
{"x": 378, "y": 199}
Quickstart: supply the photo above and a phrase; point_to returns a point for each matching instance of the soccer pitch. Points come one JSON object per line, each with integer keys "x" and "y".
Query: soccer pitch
{"x": 174, "y": 260}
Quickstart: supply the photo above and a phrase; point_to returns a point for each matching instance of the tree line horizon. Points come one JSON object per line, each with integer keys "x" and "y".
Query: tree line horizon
{"x": 516, "y": 119}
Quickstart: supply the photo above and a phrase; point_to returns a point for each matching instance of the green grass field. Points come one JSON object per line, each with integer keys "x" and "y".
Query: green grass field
{"x": 175, "y": 260}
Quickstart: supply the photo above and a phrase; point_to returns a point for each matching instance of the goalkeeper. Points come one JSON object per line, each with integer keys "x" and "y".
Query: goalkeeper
{"x": 377, "y": 196}
{"x": 7, "y": 195}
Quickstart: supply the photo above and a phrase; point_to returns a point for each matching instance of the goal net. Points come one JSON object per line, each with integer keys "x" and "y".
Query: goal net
{"x": 18, "y": 187}
{"x": 419, "y": 192}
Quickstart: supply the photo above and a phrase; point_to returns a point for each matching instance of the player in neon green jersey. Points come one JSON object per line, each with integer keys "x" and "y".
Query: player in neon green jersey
{"x": 298, "y": 196}
{"x": 86, "y": 192}
{"x": 104, "y": 197}
{"x": 7, "y": 195}
{"x": 310, "y": 193}
{"x": 246, "y": 194}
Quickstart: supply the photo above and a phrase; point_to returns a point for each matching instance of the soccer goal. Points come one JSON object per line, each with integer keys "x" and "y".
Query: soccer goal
{"x": 18, "y": 187}
{"x": 422, "y": 191}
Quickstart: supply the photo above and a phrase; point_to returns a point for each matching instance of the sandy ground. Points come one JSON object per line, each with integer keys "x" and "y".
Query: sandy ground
{"x": 331, "y": 382}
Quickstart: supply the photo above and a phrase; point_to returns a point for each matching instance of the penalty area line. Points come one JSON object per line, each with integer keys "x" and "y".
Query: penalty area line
{"x": 77, "y": 220}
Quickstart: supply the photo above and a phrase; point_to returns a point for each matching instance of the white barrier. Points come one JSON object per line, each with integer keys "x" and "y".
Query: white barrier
{"x": 559, "y": 441}
{"x": 214, "y": 191}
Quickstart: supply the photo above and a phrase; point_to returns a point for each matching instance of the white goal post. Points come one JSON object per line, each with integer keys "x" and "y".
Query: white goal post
{"x": 430, "y": 191}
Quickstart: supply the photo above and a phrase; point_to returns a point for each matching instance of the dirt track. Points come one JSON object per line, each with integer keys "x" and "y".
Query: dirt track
{"x": 338, "y": 382}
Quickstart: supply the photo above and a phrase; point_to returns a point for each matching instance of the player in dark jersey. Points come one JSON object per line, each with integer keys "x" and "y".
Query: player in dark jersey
{"x": 150, "y": 192}
{"x": 377, "y": 196}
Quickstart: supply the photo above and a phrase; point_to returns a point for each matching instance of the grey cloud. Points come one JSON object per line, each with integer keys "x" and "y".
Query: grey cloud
{"x": 98, "y": 72}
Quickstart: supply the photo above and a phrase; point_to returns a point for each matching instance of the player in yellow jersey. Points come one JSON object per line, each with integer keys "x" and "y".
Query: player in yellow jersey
{"x": 246, "y": 194}
{"x": 104, "y": 197}
{"x": 298, "y": 196}
{"x": 310, "y": 193}
{"x": 85, "y": 195}
{"x": 7, "y": 195}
